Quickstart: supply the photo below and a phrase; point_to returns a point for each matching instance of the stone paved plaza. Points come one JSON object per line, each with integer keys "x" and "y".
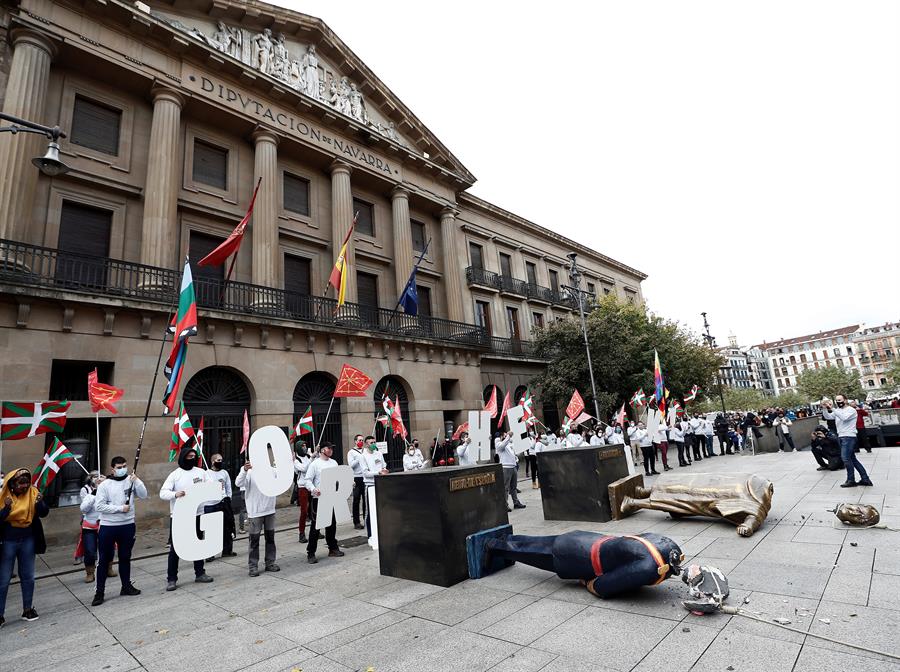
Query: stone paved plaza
{"x": 343, "y": 615}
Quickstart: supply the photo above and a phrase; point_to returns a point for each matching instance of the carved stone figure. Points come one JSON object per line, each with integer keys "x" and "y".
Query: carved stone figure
{"x": 295, "y": 76}
{"x": 741, "y": 499}
{"x": 311, "y": 72}
{"x": 280, "y": 59}
{"x": 227, "y": 40}
{"x": 357, "y": 106}
{"x": 263, "y": 50}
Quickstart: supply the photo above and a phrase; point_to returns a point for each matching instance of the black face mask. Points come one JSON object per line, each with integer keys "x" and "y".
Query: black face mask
{"x": 217, "y": 465}
{"x": 190, "y": 463}
{"x": 840, "y": 404}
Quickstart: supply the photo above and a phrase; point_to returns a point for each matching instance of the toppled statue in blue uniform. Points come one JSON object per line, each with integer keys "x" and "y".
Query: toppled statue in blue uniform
{"x": 606, "y": 565}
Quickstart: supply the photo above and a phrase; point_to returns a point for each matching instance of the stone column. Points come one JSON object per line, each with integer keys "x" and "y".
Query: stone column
{"x": 452, "y": 275}
{"x": 159, "y": 232}
{"x": 403, "y": 252}
{"x": 341, "y": 217}
{"x": 265, "y": 213}
{"x": 26, "y": 92}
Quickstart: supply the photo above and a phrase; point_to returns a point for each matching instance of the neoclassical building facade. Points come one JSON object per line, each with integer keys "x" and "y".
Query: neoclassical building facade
{"x": 172, "y": 112}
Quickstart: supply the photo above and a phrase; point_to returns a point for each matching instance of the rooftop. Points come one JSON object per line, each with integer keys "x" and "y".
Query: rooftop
{"x": 831, "y": 333}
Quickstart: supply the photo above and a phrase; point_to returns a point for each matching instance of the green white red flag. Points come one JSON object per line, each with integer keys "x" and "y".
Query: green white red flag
{"x": 182, "y": 433}
{"x": 695, "y": 390}
{"x": 397, "y": 426}
{"x": 49, "y": 467}
{"x": 638, "y": 398}
{"x": 304, "y": 425}
{"x": 23, "y": 419}
{"x": 184, "y": 325}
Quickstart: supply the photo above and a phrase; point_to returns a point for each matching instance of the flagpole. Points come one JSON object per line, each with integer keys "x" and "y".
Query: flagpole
{"x": 81, "y": 465}
{"x": 97, "y": 417}
{"x": 325, "y": 424}
{"x": 415, "y": 266}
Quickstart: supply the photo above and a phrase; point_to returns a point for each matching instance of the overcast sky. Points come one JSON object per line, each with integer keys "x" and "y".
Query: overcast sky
{"x": 744, "y": 155}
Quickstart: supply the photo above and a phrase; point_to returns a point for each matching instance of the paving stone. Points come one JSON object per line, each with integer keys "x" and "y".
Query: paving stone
{"x": 801, "y": 612}
{"x": 399, "y": 593}
{"x": 662, "y": 601}
{"x": 748, "y": 653}
{"x": 456, "y": 603}
{"x": 246, "y": 644}
{"x": 325, "y": 614}
{"x": 680, "y": 649}
{"x": 525, "y": 659}
{"x": 870, "y": 627}
{"x": 336, "y": 639}
{"x": 499, "y": 611}
{"x": 286, "y": 661}
{"x": 626, "y": 638}
{"x": 887, "y": 561}
{"x": 457, "y": 650}
{"x": 412, "y": 636}
{"x": 534, "y": 621}
{"x": 813, "y": 659}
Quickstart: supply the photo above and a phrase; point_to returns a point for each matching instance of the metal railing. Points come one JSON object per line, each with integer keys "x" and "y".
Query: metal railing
{"x": 511, "y": 346}
{"x": 538, "y": 293}
{"x": 475, "y": 275}
{"x": 35, "y": 266}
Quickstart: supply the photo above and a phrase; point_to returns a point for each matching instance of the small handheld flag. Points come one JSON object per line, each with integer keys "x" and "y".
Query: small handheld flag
{"x": 352, "y": 382}
{"x": 182, "y": 433}
{"x": 102, "y": 396}
{"x": 491, "y": 405}
{"x": 506, "y": 403}
{"x": 639, "y": 398}
{"x": 52, "y": 462}
{"x": 23, "y": 419}
{"x": 245, "y": 439}
{"x": 304, "y": 425}
{"x": 576, "y": 405}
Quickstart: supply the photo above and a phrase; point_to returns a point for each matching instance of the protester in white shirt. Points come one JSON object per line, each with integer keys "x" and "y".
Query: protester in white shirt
{"x": 90, "y": 524}
{"x": 313, "y": 480}
{"x": 510, "y": 463}
{"x": 354, "y": 459}
{"x": 176, "y": 485}
{"x": 373, "y": 465}
{"x": 412, "y": 462}
{"x": 261, "y": 516}
{"x": 676, "y": 436}
{"x": 465, "y": 454}
{"x": 301, "y": 464}
{"x": 782, "y": 425}
{"x": 646, "y": 443}
{"x": 218, "y": 473}
{"x": 574, "y": 439}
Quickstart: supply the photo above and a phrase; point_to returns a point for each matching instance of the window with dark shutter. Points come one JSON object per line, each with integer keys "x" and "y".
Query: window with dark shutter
{"x": 476, "y": 255}
{"x": 210, "y": 165}
{"x": 367, "y": 296}
{"x": 296, "y": 286}
{"x": 365, "y": 222}
{"x": 483, "y": 315}
{"x": 531, "y": 273}
{"x": 95, "y": 126}
{"x": 554, "y": 281}
{"x": 424, "y": 294}
{"x": 296, "y": 194}
{"x": 83, "y": 244}
{"x": 418, "y": 235}
{"x": 505, "y": 265}
{"x": 208, "y": 280}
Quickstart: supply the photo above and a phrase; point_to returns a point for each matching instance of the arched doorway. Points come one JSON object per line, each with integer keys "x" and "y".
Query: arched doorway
{"x": 316, "y": 389}
{"x": 219, "y": 396}
{"x": 517, "y": 397}
{"x": 396, "y": 390}
{"x": 551, "y": 415}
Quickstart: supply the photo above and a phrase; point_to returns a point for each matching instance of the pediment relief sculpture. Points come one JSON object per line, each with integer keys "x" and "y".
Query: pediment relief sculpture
{"x": 302, "y": 72}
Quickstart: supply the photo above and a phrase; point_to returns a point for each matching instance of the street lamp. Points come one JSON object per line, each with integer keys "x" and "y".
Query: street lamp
{"x": 711, "y": 342}
{"x": 49, "y": 164}
{"x": 577, "y": 293}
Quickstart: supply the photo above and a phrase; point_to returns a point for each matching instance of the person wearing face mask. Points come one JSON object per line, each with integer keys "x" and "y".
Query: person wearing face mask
{"x": 465, "y": 454}
{"x": 301, "y": 464}
{"x": 373, "y": 465}
{"x": 595, "y": 439}
{"x": 646, "y": 443}
{"x": 412, "y": 462}
{"x": 177, "y": 485}
{"x": 510, "y": 463}
{"x": 90, "y": 524}
{"x": 313, "y": 480}
{"x": 21, "y": 537}
{"x": 218, "y": 473}
{"x": 635, "y": 442}
{"x": 676, "y": 436}
{"x": 261, "y": 516}
{"x": 115, "y": 501}
{"x": 844, "y": 417}
{"x": 418, "y": 451}
{"x": 354, "y": 459}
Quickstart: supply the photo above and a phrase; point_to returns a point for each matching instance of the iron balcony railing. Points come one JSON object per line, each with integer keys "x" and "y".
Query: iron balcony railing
{"x": 32, "y": 265}
{"x": 475, "y": 275}
{"x": 511, "y": 346}
{"x": 538, "y": 293}
{"x": 511, "y": 285}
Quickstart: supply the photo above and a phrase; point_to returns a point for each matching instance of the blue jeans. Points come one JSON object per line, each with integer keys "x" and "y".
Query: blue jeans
{"x": 21, "y": 550}
{"x": 89, "y": 542}
{"x": 110, "y": 538}
{"x": 848, "y": 445}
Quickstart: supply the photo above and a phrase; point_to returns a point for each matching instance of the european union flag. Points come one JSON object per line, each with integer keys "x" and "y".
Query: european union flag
{"x": 410, "y": 297}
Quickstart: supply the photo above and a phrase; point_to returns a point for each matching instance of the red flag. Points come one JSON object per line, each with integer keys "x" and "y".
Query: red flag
{"x": 464, "y": 427}
{"x": 246, "y": 440}
{"x": 352, "y": 382}
{"x": 620, "y": 416}
{"x": 198, "y": 437}
{"x": 505, "y": 409}
{"x": 102, "y": 396}
{"x": 397, "y": 426}
{"x": 576, "y": 405}
{"x": 583, "y": 418}
{"x": 491, "y": 404}
{"x": 233, "y": 243}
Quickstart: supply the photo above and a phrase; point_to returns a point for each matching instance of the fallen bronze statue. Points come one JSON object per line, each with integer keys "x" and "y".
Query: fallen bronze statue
{"x": 857, "y": 514}
{"x": 604, "y": 564}
{"x": 741, "y": 499}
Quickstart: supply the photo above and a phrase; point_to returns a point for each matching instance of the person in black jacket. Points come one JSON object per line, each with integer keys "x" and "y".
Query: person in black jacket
{"x": 826, "y": 449}
{"x": 21, "y": 537}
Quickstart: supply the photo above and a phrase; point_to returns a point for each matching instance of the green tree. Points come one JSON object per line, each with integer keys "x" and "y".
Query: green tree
{"x": 892, "y": 373}
{"x": 622, "y": 337}
{"x": 789, "y": 399}
{"x": 815, "y": 384}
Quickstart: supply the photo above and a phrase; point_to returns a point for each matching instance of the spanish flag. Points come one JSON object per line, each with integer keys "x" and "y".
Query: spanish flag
{"x": 338, "y": 277}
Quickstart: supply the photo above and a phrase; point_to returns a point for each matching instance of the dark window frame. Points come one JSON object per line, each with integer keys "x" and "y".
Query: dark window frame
{"x": 288, "y": 203}
{"x": 418, "y": 243}
{"x": 82, "y": 136}
{"x": 207, "y": 179}
{"x": 364, "y": 225}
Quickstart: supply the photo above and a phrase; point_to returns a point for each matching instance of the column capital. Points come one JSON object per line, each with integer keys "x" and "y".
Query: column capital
{"x": 399, "y": 192}
{"x": 337, "y": 166}
{"x": 163, "y": 92}
{"x": 34, "y": 38}
{"x": 262, "y": 134}
{"x": 449, "y": 212}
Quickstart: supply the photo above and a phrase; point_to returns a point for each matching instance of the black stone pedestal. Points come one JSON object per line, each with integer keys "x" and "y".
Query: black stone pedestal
{"x": 575, "y": 481}
{"x": 425, "y": 516}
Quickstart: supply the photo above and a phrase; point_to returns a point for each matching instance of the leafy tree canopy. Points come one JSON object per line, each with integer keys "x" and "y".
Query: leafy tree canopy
{"x": 815, "y": 384}
{"x": 622, "y": 338}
